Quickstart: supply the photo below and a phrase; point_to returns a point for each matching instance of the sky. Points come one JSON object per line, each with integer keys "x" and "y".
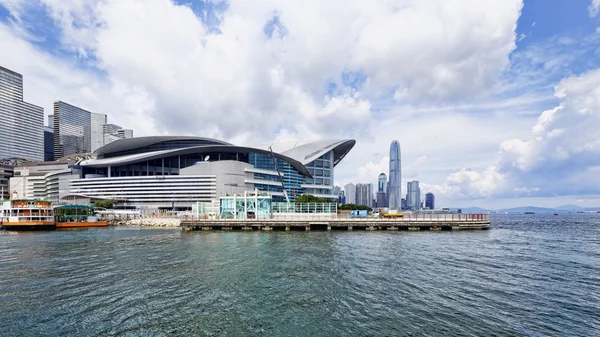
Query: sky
{"x": 495, "y": 103}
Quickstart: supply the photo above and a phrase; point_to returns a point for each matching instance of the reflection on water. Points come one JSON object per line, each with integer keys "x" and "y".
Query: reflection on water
{"x": 529, "y": 275}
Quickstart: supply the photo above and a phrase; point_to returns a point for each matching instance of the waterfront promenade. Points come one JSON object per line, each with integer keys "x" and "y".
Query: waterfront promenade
{"x": 312, "y": 222}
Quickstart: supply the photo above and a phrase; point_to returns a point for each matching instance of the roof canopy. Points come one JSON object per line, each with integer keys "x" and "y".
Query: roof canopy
{"x": 133, "y": 158}
{"x": 128, "y": 144}
{"x": 132, "y": 150}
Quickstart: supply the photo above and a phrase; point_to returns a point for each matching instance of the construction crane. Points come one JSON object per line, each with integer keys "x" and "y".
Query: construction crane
{"x": 287, "y": 199}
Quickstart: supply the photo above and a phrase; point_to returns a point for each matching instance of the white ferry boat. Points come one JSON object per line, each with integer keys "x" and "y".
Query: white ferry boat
{"x": 26, "y": 214}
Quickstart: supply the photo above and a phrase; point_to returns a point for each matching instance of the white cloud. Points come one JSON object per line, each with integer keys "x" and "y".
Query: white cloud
{"x": 559, "y": 158}
{"x": 594, "y": 8}
{"x": 199, "y": 82}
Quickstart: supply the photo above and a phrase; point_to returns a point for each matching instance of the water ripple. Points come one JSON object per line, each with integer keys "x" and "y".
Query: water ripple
{"x": 529, "y": 275}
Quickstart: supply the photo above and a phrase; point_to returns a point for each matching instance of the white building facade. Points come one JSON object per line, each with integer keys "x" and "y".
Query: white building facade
{"x": 350, "y": 192}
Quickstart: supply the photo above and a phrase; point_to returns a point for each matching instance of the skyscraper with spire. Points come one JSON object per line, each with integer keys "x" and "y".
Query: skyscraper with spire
{"x": 394, "y": 191}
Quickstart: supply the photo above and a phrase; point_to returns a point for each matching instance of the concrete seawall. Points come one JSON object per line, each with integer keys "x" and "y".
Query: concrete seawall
{"x": 148, "y": 222}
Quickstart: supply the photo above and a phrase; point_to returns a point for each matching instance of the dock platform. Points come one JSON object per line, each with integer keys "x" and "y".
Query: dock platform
{"x": 409, "y": 223}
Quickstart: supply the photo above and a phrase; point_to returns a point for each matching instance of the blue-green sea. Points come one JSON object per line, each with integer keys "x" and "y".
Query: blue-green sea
{"x": 529, "y": 275}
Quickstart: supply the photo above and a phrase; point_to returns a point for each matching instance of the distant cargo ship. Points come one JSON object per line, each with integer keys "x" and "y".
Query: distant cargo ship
{"x": 26, "y": 214}
{"x": 73, "y": 216}
{"x": 529, "y": 212}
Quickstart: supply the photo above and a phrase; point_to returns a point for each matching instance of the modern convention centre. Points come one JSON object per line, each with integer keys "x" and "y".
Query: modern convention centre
{"x": 177, "y": 172}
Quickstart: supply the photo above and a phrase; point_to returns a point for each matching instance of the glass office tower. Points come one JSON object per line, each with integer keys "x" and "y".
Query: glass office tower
{"x": 21, "y": 123}
{"x": 76, "y": 130}
{"x": 395, "y": 184}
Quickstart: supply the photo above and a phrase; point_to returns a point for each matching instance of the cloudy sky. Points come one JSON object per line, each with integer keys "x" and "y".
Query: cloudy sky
{"x": 495, "y": 103}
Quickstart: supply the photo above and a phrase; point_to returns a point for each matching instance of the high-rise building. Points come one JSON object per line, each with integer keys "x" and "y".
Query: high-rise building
{"x": 48, "y": 144}
{"x": 114, "y": 132}
{"x": 413, "y": 195}
{"x": 125, "y": 133}
{"x": 342, "y": 198}
{"x": 380, "y": 200}
{"x": 382, "y": 186}
{"x": 382, "y": 183}
{"x": 97, "y": 130}
{"x": 394, "y": 191}
{"x": 75, "y": 129}
{"x": 429, "y": 201}
{"x": 364, "y": 195}
{"x": 350, "y": 191}
{"x": 21, "y": 123}
{"x": 337, "y": 190}
{"x": 80, "y": 131}
{"x": 6, "y": 171}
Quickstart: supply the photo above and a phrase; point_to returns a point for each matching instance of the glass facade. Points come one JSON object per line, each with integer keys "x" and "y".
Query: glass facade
{"x": 309, "y": 207}
{"x": 394, "y": 192}
{"x": 429, "y": 201}
{"x": 413, "y": 195}
{"x": 72, "y": 130}
{"x": 321, "y": 183}
{"x": 292, "y": 179}
{"x": 21, "y": 123}
{"x": 48, "y": 144}
{"x": 249, "y": 207}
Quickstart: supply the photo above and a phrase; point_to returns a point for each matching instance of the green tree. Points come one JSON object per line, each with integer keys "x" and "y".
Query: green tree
{"x": 106, "y": 203}
{"x": 305, "y": 198}
{"x": 352, "y": 207}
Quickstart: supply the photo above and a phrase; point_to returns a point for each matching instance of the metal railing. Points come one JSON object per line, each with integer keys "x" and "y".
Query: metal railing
{"x": 407, "y": 218}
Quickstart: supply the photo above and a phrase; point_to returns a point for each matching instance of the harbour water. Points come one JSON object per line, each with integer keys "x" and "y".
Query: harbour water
{"x": 529, "y": 275}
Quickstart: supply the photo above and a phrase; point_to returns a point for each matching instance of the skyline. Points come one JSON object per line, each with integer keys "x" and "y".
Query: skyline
{"x": 498, "y": 116}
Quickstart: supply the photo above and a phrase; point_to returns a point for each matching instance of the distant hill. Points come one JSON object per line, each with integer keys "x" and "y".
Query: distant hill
{"x": 562, "y": 208}
{"x": 569, "y": 208}
{"x": 527, "y": 209}
{"x": 472, "y": 210}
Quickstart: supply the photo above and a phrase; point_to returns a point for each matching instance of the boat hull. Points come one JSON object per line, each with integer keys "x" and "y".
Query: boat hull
{"x": 81, "y": 224}
{"x": 33, "y": 225}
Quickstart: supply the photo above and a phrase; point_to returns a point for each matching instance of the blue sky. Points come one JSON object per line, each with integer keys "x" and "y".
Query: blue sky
{"x": 491, "y": 100}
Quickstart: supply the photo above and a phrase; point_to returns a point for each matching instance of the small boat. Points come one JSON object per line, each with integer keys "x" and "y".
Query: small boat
{"x": 73, "y": 216}
{"x": 529, "y": 212}
{"x": 555, "y": 213}
{"x": 26, "y": 214}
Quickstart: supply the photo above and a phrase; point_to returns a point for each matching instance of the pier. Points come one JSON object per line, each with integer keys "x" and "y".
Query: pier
{"x": 413, "y": 222}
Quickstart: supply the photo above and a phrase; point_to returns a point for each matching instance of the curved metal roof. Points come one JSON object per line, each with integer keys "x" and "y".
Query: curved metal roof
{"x": 132, "y": 158}
{"x": 139, "y": 142}
{"x": 308, "y": 152}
